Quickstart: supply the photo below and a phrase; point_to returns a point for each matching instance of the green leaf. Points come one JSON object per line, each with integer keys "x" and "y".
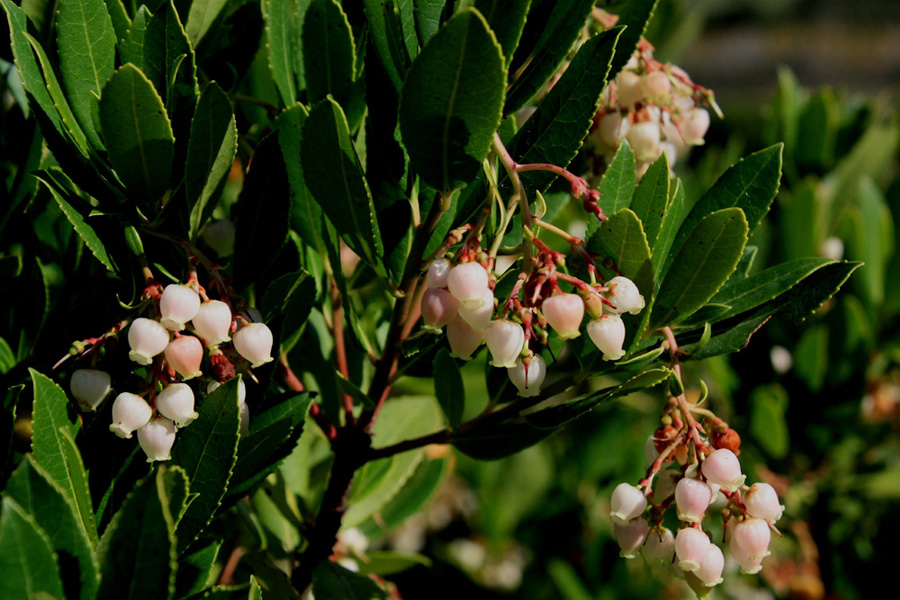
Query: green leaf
{"x": 383, "y": 39}
{"x": 560, "y": 32}
{"x": 767, "y": 420}
{"x": 27, "y": 562}
{"x": 706, "y": 260}
{"x": 263, "y": 212}
{"x": 169, "y": 60}
{"x": 207, "y": 451}
{"x": 506, "y": 19}
{"x": 450, "y": 105}
{"x": 811, "y": 358}
{"x": 282, "y": 37}
{"x": 256, "y": 448}
{"x": 618, "y": 183}
{"x": 329, "y": 62}
{"x": 333, "y": 582}
{"x": 668, "y": 228}
{"x": 448, "y": 387}
{"x": 651, "y": 198}
{"x": 635, "y": 15}
{"x": 387, "y": 562}
{"x": 872, "y": 240}
{"x": 137, "y": 552}
{"x": 202, "y": 15}
{"x": 555, "y": 131}
{"x": 306, "y": 216}
{"x": 195, "y": 567}
{"x": 54, "y": 428}
{"x": 131, "y": 45}
{"x": 255, "y": 591}
{"x": 121, "y": 22}
{"x": 137, "y": 133}
{"x": 177, "y": 490}
{"x": 335, "y": 178}
{"x": 428, "y": 18}
{"x": 42, "y": 498}
{"x": 567, "y": 581}
{"x": 210, "y": 154}
{"x": 87, "y": 55}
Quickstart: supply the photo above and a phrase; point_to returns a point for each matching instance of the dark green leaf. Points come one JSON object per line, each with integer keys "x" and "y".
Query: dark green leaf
{"x": 621, "y": 238}
{"x": 333, "y": 582}
{"x": 210, "y": 154}
{"x": 811, "y": 358}
{"x": 283, "y": 37}
{"x": 428, "y": 18}
{"x": 137, "y": 552}
{"x": 506, "y": 19}
{"x": 27, "y": 563}
{"x": 201, "y": 16}
{"x": 82, "y": 228}
{"x": 334, "y": 176}
{"x": 499, "y": 440}
{"x": 635, "y": 15}
{"x": 451, "y": 102}
{"x": 618, "y": 183}
{"x": 651, "y": 198}
{"x": 207, "y": 451}
{"x": 306, "y": 216}
{"x": 329, "y": 61}
{"x": 872, "y": 240}
{"x": 255, "y": 590}
{"x": 448, "y": 387}
{"x": 131, "y": 45}
{"x": 177, "y": 490}
{"x": 387, "y": 562}
{"x": 383, "y": 38}
{"x": 668, "y": 229}
{"x": 706, "y": 260}
{"x": 87, "y": 55}
{"x": 137, "y": 133}
{"x": 195, "y": 567}
{"x": 560, "y": 32}
{"x": 767, "y": 423}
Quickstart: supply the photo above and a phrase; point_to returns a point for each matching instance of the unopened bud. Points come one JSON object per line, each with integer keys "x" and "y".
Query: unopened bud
{"x": 185, "y": 354}
{"x": 438, "y": 273}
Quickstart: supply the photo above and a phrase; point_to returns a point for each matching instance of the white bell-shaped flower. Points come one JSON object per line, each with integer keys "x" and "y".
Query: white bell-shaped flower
{"x": 644, "y": 138}
{"x": 660, "y": 546}
{"x": 624, "y": 295}
{"x": 147, "y": 338}
{"x": 631, "y": 537}
{"x": 242, "y": 390}
{"x": 656, "y": 84}
{"x": 762, "y": 502}
{"x": 439, "y": 307}
{"x": 156, "y": 439}
{"x": 722, "y": 467}
{"x": 711, "y": 567}
{"x": 629, "y": 90}
{"x": 608, "y": 334}
{"x": 176, "y": 402}
{"x": 463, "y": 339}
{"x": 185, "y": 354}
{"x": 213, "y": 322}
{"x": 564, "y": 313}
{"x": 692, "y": 498}
{"x": 129, "y": 412}
{"x": 505, "y": 340}
{"x": 438, "y": 273}
{"x": 749, "y": 566}
{"x": 178, "y": 305}
{"x": 753, "y": 536}
{"x": 690, "y": 548}
{"x": 90, "y": 387}
{"x": 468, "y": 282}
{"x": 628, "y": 502}
{"x": 254, "y": 342}
{"x": 479, "y": 318}
{"x": 528, "y": 379}
{"x": 694, "y": 126}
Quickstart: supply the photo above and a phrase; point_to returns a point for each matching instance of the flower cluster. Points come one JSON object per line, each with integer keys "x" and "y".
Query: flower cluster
{"x": 655, "y": 106}
{"x": 186, "y": 327}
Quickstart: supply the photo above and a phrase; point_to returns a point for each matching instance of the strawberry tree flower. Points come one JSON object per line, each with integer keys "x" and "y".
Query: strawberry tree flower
{"x": 479, "y": 318}
{"x": 213, "y": 322}
{"x": 660, "y": 546}
{"x": 692, "y": 498}
{"x": 749, "y": 566}
{"x": 627, "y": 503}
{"x": 463, "y": 339}
{"x": 564, "y": 313}
{"x": 711, "y": 567}
{"x": 690, "y": 548}
{"x": 468, "y": 282}
{"x": 753, "y": 536}
{"x": 177, "y": 306}
{"x": 762, "y": 502}
{"x": 176, "y": 402}
{"x": 624, "y": 295}
{"x": 156, "y": 439}
{"x": 505, "y": 340}
{"x": 644, "y": 138}
{"x": 608, "y": 334}
{"x": 147, "y": 338}
{"x": 90, "y": 387}
{"x": 185, "y": 354}
{"x": 438, "y": 274}
{"x": 723, "y": 468}
{"x": 439, "y": 307}
{"x": 528, "y": 378}
{"x": 129, "y": 412}
{"x": 254, "y": 342}
{"x": 631, "y": 537}
{"x": 695, "y": 126}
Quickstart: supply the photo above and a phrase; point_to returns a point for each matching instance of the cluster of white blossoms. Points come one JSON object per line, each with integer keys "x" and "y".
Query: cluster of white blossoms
{"x": 173, "y": 346}
{"x": 750, "y": 513}
{"x": 656, "y": 107}
{"x": 460, "y": 298}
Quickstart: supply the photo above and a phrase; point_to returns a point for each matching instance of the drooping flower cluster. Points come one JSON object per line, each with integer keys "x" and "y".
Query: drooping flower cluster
{"x": 184, "y": 328}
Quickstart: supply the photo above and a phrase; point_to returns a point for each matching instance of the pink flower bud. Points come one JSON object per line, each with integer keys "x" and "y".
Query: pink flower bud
{"x": 644, "y": 138}
{"x": 242, "y": 390}
{"x": 176, "y": 402}
{"x": 627, "y": 503}
{"x": 184, "y": 354}
{"x": 90, "y": 387}
{"x": 254, "y": 342}
{"x": 438, "y": 273}
{"x": 147, "y": 338}
{"x": 177, "y": 306}
{"x": 564, "y": 313}
{"x": 479, "y": 318}
{"x": 463, "y": 339}
{"x": 656, "y": 84}
{"x": 219, "y": 235}
{"x": 692, "y": 498}
{"x": 505, "y": 340}
{"x": 468, "y": 282}
{"x": 631, "y": 536}
{"x": 438, "y": 308}
{"x": 749, "y": 566}
{"x": 528, "y": 379}
{"x": 762, "y": 502}
{"x": 624, "y": 295}
{"x": 629, "y": 89}
{"x": 156, "y": 439}
{"x": 129, "y": 412}
{"x": 711, "y": 567}
{"x": 722, "y": 467}
{"x": 213, "y": 322}
{"x": 753, "y": 536}
{"x": 690, "y": 547}
{"x": 660, "y": 546}
{"x": 608, "y": 334}
{"x": 612, "y": 128}
{"x": 694, "y": 126}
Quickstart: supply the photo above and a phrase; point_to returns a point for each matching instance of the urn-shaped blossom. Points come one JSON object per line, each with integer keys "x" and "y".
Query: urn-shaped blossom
{"x": 656, "y": 84}
{"x": 711, "y": 567}
{"x": 660, "y": 545}
{"x": 624, "y": 295}
{"x": 438, "y": 273}
{"x": 694, "y": 126}
{"x": 505, "y": 340}
{"x": 156, "y": 439}
{"x": 462, "y": 338}
{"x": 213, "y": 322}
{"x": 177, "y": 306}
{"x": 90, "y": 387}
{"x": 631, "y": 537}
{"x": 564, "y": 313}
{"x": 762, "y": 502}
{"x": 749, "y": 566}
{"x": 692, "y": 498}
{"x": 438, "y": 308}
{"x": 528, "y": 378}
{"x": 629, "y": 88}
{"x": 608, "y": 334}
{"x": 147, "y": 338}
{"x": 690, "y": 548}
{"x": 185, "y": 354}
{"x": 723, "y": 468}
{"x": 644, "y": 139}
{"x": 480, "y": 317}
{"x": 468, "y": 282}
{"x": 627, "y": 502}
{"x": 176, "y": 402}
{"x": 254, "y": 342}
{"x": 753, "y": 536}
{"x": 129, "y": 412}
